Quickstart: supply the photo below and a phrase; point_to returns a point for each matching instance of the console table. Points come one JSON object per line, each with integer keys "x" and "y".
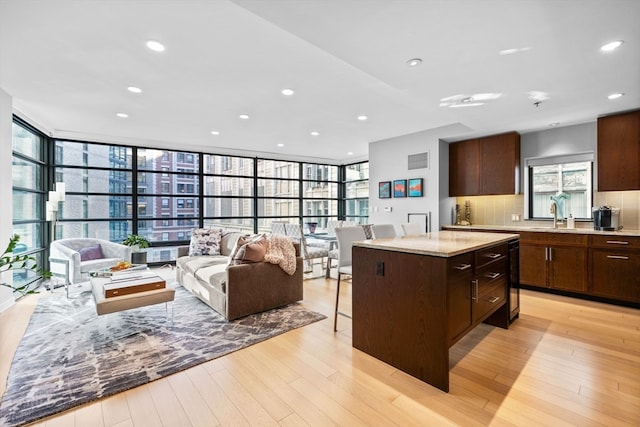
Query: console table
{"x": 415, "y": 296}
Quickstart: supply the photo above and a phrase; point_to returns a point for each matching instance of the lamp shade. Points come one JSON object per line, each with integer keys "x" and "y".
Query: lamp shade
{"x": 53, "y": 198}
{"x": 60, "y": 189}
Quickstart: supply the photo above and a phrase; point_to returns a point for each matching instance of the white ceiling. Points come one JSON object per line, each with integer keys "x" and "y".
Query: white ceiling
{"x": 67, "y": 64}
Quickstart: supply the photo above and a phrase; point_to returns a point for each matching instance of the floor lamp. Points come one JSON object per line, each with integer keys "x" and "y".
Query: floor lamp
{"x": 55, "y": 197}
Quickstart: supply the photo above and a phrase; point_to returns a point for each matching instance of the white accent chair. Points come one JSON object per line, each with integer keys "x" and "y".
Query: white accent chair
{"x": 412, "y": 229}
{"x": 346, "y": 236}
{"x": 383, "y": 231}
{"x": 67, "y": 257}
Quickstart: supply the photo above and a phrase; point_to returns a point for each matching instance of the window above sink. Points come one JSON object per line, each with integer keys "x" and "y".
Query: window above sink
{"x": 565, "y": 180}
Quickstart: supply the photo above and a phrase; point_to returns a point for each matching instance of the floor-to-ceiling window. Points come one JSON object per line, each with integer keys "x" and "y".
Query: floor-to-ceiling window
{"x": 99, "y": 183}
{"x": 113, "y": 191}
{"x": 228, "y": 196}
{"x": 356, "y": 197}
{"x": 29, "y": 189}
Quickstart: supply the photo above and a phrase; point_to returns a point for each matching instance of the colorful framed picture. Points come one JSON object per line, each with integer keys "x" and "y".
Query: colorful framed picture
{"x": 415, "y": 187}
{"x": 384, "y": 189}
{"x": 400, "y": 188}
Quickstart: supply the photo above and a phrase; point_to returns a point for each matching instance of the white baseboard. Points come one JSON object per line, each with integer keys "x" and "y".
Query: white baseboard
{"x": 6, "y": 304}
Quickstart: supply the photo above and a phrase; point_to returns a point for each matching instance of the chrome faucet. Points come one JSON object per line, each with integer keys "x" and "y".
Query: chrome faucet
{"x": 554, "y": 211}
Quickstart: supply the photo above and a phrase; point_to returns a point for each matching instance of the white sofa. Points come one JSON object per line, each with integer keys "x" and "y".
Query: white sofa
{"x": 66, "y": 260}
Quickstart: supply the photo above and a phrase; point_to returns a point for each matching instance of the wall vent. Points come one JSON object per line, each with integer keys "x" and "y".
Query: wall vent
{"x": 418, "y": 161}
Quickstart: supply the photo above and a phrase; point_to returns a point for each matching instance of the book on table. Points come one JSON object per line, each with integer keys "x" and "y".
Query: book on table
{"x": 130, "y": 284}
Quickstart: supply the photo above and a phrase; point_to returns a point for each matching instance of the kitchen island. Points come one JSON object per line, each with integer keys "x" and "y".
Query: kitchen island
{"x": 416, "y": 296}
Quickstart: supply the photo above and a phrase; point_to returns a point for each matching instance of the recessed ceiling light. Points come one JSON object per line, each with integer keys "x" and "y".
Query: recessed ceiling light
{"x": 243, "y": 116}
{"x": 287, "y": 92}
{"x": 314, "y": 133}
{"x": 611, "y": 46}
{"x": 350, "y": 153}
{"x": 155, "y": 46}
{"x": 215, "y": 132}
{"x": 414, "y": 62}
{"x": 362, "y": 118}
{"x": 280, "y": 145}
{"x": 554, "y": 124}
{"x": 122, "y": 115}
{"x": 134, "y": 89}
{"x": 615, "y": 95}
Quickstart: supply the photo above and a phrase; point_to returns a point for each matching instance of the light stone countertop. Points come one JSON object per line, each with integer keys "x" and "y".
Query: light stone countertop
{"x": 548, "y": 229}
{"x": 441, "y": 243}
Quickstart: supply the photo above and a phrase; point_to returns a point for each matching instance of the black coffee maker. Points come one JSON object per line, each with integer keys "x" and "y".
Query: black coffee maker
{"x": 606, "y": 218}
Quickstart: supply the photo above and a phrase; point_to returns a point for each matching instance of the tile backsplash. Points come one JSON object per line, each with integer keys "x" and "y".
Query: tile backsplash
{"x": 498, "y": 210}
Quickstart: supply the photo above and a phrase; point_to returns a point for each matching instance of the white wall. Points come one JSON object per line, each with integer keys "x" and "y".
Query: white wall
{"x": 6, "y": 213}
{"x": 388, "y": 160}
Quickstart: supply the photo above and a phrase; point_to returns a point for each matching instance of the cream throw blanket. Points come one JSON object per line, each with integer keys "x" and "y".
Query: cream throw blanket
{"x": 281, "y": 251}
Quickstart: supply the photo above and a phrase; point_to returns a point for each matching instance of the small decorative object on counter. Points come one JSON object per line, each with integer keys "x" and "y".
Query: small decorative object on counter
{"x": 571, "y": 223}
{"x": 467, "y": 213}
{"x": 458, "y": 215}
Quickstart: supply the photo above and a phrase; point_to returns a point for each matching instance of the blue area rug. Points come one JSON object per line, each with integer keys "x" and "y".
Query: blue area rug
{"x": 70, "y": 356}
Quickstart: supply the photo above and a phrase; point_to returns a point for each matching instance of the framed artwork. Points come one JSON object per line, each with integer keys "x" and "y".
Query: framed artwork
{"x": 384, "y": 190}
{"x": 415, "y": 187}
{"x": 400, "y": 188}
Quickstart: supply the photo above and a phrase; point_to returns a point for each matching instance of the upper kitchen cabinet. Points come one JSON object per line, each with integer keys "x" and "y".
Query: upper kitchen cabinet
{"x": 485, "y": 166}
{"x": 619, "y": 152}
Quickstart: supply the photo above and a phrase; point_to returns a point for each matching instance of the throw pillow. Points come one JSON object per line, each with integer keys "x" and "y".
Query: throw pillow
{"x": 249, "y": 250}
{"x": 205, "y": 241}
{"x": 91, "y": 252}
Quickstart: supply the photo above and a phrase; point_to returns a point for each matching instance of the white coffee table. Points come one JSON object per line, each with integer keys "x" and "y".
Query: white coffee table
{"x": 126, "y": 302}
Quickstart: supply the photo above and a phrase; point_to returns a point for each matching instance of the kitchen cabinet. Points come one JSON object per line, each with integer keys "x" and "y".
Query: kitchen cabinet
{"x": 615, "y": 267}
{"x": 554, "y": 260}
{"x": 410, "y": 306}
{"x": 619, "y": 152}
{"x": 464, "y": 168}
{"x": 485, "y": 166}
{"x": 490, "y": 281}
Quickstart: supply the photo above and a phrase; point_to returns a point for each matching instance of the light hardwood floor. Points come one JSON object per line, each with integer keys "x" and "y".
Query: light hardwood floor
{"x": 564, "y": 362}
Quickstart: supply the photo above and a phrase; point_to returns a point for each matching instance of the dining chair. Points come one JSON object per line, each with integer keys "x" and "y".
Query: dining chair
{"x": 346, "y": 236}
{"x": 277, "y": 227}
{"x": 296, "y": 232}
{"x": 412, "y": 229}
{"x": 383, "y": 231}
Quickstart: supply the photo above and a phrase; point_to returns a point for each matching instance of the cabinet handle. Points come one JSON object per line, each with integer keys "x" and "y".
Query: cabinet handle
{"x": 494, "y": 299}
{"x": 492, "y": 275}
{"x": 617, "y": 242}
{"x": 546, "y": 254}
{"x": 550, "y": 254}
{"x": 462, "y": 267}
{"x": 474, "y": 297}
{"x": 617, "y": 257}
{"x": 493, "y": 256}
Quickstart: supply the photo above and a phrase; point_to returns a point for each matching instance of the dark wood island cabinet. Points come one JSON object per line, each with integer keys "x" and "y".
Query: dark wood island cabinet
{"x": 413, "y": 298}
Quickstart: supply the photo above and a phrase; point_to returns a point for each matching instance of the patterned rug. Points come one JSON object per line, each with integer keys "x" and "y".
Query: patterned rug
{"x": 70, "y": 356}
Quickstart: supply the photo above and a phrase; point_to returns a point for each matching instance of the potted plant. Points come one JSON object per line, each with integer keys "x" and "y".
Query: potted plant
{"x": 10, "y": 261}
{"x": 137, "y": 243}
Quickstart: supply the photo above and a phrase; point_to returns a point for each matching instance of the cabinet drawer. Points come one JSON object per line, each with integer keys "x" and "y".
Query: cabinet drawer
{"x": 615, "y": 242}
{"x": 491, "y": 254}
{"x": 489, "y": 275}
{"x": 490, "y": 300}
{"x": 460, "y": 265}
